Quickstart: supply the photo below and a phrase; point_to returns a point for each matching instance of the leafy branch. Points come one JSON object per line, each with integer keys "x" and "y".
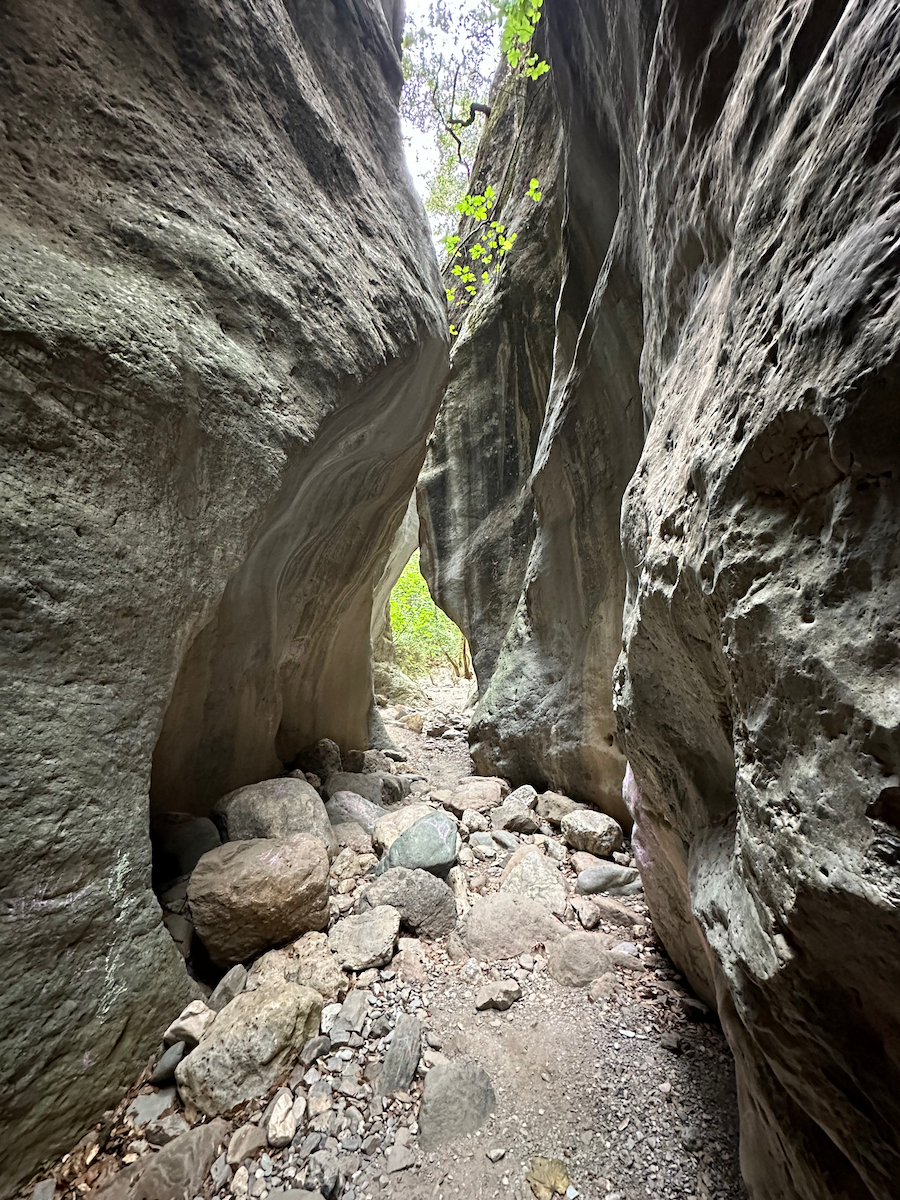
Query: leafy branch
{"x": 520, "y": 18}
{"x": 471, "y": 262}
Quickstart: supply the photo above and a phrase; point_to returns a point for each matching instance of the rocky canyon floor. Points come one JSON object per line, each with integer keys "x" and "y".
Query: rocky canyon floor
{"x": 621, "y": 1090}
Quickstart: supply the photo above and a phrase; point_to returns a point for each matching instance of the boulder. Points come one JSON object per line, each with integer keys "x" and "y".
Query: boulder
{"x": 514, "y": 814}
{"x": 245, "y": 1142}
{"x": 253, "y": 1043}
{"x": 367, "y": 940}
{"x": 377, "y": 787}
{"x": 579, "y": 958}
{"x": 426, "y": 904}
{"x": 247, "y": 896}
{"x": 191, "y": 1026}
{"x": 457, "y": 1100}
{"x": 476, "y": 794}
{"x": 553, "y": 807}
{"x": 582, "y": 861}
{"x": 474, "y": 822}
{"x": 368, "y": 761}
{"x": 525, "y": 794}
{"x": 606, "y": 878}
{"x": 308, "y": 961}
{"x": 343, "y": 806}
{"x": 430, "y": 845}
{"x": 274, "y": 809}
{"x": 506, "y": 925}
{"x": 353, "y": 837}
{"x": 323, "y": 758}
{"x": 594, "y": 832}
{"x": 535, "y": 877}
{"x": 391, "y": 825}
{"x": 499, "y": 995}
{"x": 313, "y": 964}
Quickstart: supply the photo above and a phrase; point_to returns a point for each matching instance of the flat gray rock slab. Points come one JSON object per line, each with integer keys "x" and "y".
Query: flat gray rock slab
{"x": 402, "y": 1058}
{"x": 458, "y": 1099}
{"x": 604, "y": 878}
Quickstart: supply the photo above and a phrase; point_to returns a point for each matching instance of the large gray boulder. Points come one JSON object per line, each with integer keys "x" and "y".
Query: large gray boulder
{"x": 224, "y": 346}
{"x": 274, "y": 808}
{"x": 506, "y": 925}
{"x": 254, "y": 1041}
{"x": 425, "y": 903}
{"x": 248, "y": 896}
{"x": 430, "y": 844}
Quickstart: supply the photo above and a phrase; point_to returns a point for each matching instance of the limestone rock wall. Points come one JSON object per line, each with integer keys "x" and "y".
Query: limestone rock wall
{"x": 758, "y": 688}
{"x": 744, "y": 159}
{"x": 527, "y": 456}
{"x": 221, "y": 352}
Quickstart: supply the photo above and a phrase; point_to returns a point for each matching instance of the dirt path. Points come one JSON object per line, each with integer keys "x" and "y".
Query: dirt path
{"x": 588, "y": 1083}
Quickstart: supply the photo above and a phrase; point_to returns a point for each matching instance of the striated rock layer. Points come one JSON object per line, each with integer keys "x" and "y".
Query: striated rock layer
{"x": 536, "y": 441}
{"x": 747, "y": 158}
{"x": 221, "y": 349}
{"x": 758, "y": 689}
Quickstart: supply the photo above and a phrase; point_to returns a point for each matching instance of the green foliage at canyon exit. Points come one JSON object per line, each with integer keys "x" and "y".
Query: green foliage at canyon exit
{"x": 424, "y": 637}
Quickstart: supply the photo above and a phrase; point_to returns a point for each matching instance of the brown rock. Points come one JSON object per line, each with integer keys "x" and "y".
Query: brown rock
{"x": 507, "y": 925}
{"x": 575, "y": 960}
{"x": 581, "y": 861}
{"x": 475, "y": 793}
{"x": 254, "y": 1042}
{"x": 247, "y": 896}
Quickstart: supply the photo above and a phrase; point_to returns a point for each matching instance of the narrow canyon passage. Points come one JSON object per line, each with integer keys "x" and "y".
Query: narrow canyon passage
{"x": 449, "y": 649}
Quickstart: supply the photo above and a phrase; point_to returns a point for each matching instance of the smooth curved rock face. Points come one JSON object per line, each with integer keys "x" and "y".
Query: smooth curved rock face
{"x": 246, "y": 897}
{"x": 223, "y": 343}
{"x": 757, "y": 692}
{"x": 536, "y": 441}
{"x": 275, "y": 808}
